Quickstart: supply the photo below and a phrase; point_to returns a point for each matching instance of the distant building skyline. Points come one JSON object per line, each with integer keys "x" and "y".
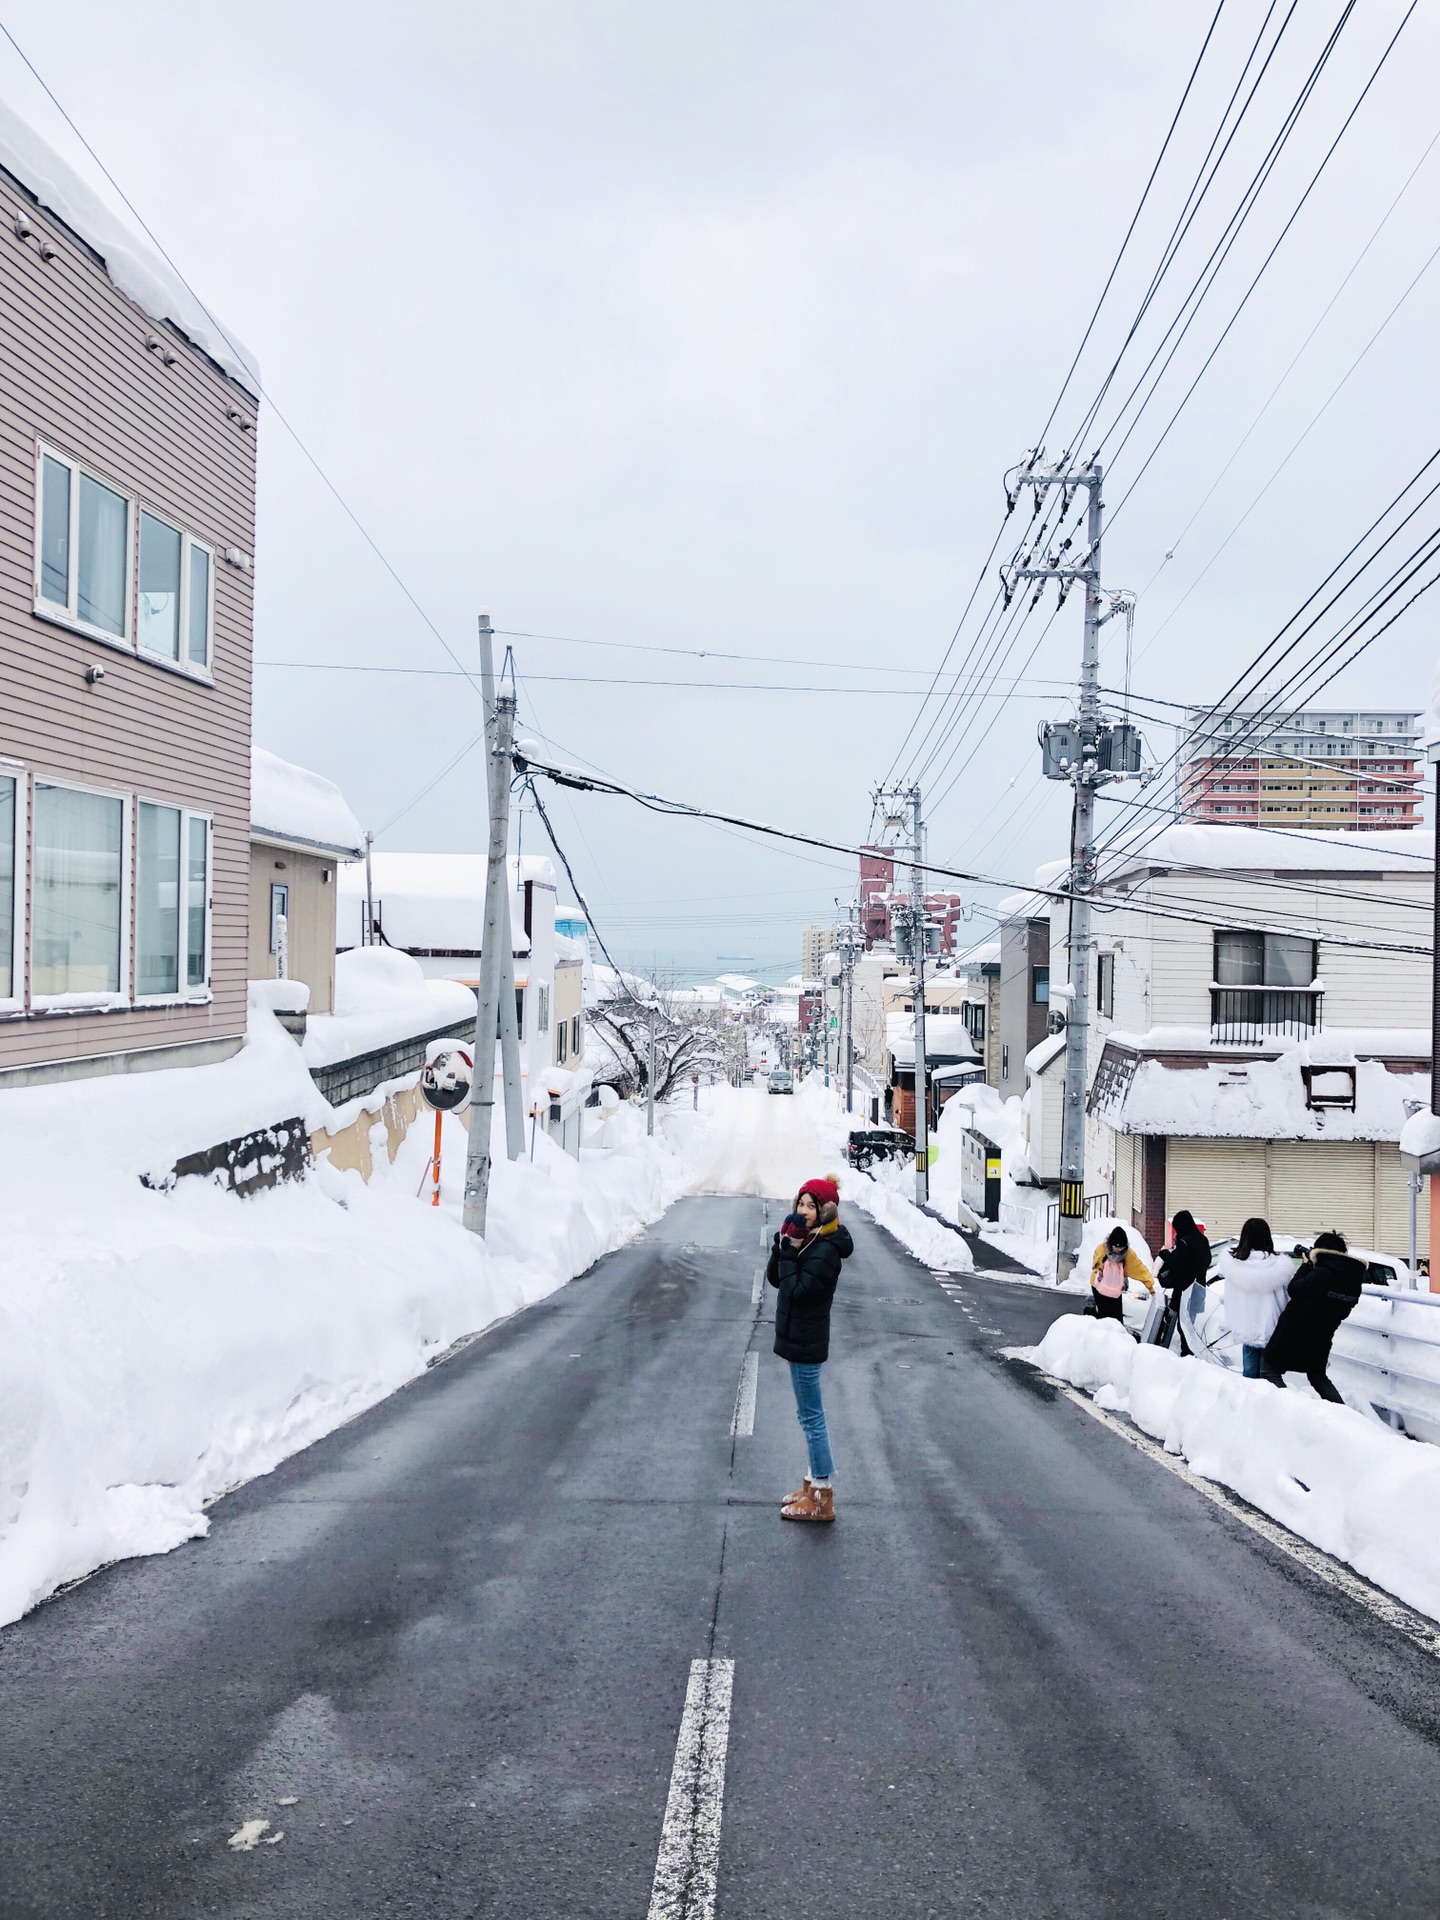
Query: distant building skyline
{"x": 1325, "y": 769}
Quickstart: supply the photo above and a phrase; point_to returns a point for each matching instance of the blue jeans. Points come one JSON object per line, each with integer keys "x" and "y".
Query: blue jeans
{"x": 1252, "y": 1362}
{"x": 805, "y": 1379}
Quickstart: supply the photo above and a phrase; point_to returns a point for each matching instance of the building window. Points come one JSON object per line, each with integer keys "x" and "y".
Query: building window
{"x": 1264, "y": 959}
{"x": 1040, "y": 986}
{"x": 542, "y": 1009}
{"x": 79, "y": 894}
{"x": 197, "y": 901}
{"x": 519, "y": 1013}
{"x": 279, "y": 913}
{"x": 84, "y": 548}
{"x": 174, "y": 604}
{"x": 575, "y": 1035}
{"x": 157, "y": 900}
{"x": 562, "y": 1039}
{"x": 1004, "y": 1063}
{"x": 10, "y": 841}
{"x": 1105, "y": 985}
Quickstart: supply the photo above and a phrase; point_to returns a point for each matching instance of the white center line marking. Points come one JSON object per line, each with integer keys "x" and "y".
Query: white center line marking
{"x": 742, "y": 1421}
{"x": 757, "y": 1286}
{"x": 1392, "y": 1612}
{"x": 684, "y": 1887}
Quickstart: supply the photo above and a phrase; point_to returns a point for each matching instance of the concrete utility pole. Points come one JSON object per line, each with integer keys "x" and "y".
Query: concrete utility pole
{"x": 650, "y": 1078}
{"x": 917, "y": 937}
{"x": 496, "y": 961}
{"x": 367, "y": 938}
{"x": 848, "y": 936}
{"x": 1087, "y": 753}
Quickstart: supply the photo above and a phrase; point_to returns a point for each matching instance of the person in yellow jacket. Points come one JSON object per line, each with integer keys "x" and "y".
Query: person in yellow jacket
{"x": 1115, "y": 1261}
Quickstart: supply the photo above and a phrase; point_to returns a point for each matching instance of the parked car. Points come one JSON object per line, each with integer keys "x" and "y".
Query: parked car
{"x": 866, "y": 1145}
{"x": 781, "y": 1080}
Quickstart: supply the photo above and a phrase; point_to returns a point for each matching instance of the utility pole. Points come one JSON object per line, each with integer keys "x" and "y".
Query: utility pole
{"x": 848, "y": 935}
{"x": 1088, "y": 753}
{"x": 367, "y": 938}
{"x": 917, "y": 938}
{"x": 495, "y": 948}
{"x": 650, "y": 1077}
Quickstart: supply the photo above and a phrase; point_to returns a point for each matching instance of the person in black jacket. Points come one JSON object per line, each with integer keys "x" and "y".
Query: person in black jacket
{"x": 1182, "y": 1263}
{"x": 1322, "y": 1293}
{"x": 804, "y": 1265}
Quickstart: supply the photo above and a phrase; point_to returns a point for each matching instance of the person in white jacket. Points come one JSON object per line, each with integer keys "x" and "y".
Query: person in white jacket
{"x": 1257, "y": 1281}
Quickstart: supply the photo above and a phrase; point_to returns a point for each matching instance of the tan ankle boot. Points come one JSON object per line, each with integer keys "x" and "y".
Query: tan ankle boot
{"x": 822, "y": 1503}
{"x": 800, "y": 1499}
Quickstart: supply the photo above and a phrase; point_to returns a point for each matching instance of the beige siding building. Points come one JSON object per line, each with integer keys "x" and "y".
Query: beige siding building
{"x": 300, "y": 832}
{"x": 127, "y": 526}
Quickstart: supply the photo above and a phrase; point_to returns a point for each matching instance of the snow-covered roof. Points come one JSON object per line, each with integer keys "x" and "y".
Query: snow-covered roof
{"x": 135, "y": 269}
{"x": 300, "y": 808}
{"x": 1045, "y": 1053}
{"x": 985, "y": 953}
{"x": 946, "y": 1038}
{"x": 436, "y": 901}
{"x": 1256, "y": 1098}
{"x": 1228, "y": 849}
{"x": 1023, "y": 906}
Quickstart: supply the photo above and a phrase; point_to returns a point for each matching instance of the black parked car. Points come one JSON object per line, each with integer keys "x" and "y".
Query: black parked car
{"x": 869, "y": 1144}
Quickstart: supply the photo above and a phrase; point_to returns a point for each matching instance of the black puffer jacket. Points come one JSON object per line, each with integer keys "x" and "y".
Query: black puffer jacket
{"x": 1185, "y": 1263}
{"x": 1322, "y": 1293}
{"x": 807, "y": 1282}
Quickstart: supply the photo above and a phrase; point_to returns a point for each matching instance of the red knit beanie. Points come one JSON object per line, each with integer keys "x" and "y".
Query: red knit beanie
{"x": 821, "y": 1192}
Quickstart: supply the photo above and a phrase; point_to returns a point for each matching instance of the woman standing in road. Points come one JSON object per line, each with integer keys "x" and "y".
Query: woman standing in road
{"x": 804, "y": 1265}
{"x": 1114, "y": 1262}
{"x": 1184, "y": 1261}
{"x": 1256, "y": 1278}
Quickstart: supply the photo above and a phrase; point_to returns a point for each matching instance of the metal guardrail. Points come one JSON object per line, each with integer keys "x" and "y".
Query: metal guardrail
{"x": 1386, "y": 1355}
{"x": 1097, "y": 1205}
{"x": 1244, "y": 1016}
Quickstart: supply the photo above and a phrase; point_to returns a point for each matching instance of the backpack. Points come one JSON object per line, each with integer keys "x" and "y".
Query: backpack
{"x": 1112, "y": 1276}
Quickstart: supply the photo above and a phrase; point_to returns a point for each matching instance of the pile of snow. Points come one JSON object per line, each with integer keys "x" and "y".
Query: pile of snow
{"x": 381, "y": 997}
{"x": 135, "y": 270}
{"x": 291, "y": 803}
{"x": 1356, "y": 1490}
{"x": 158, "y": 1347}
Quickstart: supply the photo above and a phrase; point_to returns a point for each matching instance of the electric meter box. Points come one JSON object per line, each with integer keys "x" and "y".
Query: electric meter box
{"x": 980, "y": 1174}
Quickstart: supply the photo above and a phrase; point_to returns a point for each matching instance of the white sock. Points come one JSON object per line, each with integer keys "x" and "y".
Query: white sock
{"x": 826, "y": 1482}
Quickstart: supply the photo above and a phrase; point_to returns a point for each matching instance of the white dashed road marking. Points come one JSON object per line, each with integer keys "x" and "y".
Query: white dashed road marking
{"x": 1392, "y": 1612}
{"x": 742, "y": 1421}
{"x": 684, "y": 1887}
{"x": 757, "y": 1287}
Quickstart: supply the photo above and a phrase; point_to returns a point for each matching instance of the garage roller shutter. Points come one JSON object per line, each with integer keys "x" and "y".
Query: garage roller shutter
{"x": 1392, "y": 1206}
{"x": 1316, "y": 1184}
{"x": 1222, "y": 1182}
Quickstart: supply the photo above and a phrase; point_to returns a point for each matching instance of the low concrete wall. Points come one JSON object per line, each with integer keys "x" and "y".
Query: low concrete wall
{"x": 349, "y": 1148}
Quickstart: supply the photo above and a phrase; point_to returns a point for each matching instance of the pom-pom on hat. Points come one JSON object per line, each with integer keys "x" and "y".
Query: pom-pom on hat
{"x": 821, "y": 1191}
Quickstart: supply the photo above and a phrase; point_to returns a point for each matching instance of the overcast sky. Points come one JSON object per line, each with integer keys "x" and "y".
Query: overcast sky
{"x": 714, "y": 328}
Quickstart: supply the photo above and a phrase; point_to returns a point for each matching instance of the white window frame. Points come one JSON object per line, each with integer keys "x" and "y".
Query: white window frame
{"x": 53, "y": 1002}
{"x": 67, "y": 616}
{"x": 183, "y": 996}
{"x": 15, "y": 770}
{"x": 197, "y": 670}
{"x": 182, "y": 663}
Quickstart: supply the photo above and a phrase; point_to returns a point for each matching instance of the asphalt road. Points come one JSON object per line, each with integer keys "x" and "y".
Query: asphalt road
{"x": 1028, "y": 1673}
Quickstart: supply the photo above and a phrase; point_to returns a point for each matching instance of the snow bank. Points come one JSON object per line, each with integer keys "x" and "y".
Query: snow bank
{"x": 292, "y": 803}
{"x": 1368, "y": 1496}
{"x": 157, "y": 1348}
{"x": 381, "y": 996}
{"x": 136, "y": 271}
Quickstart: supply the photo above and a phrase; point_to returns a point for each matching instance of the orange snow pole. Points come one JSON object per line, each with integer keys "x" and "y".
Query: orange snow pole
{"x": 435, "y": 1161}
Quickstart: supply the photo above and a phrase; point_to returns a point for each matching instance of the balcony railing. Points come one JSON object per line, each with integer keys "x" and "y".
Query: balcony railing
{"x": 1244, "y": 1016}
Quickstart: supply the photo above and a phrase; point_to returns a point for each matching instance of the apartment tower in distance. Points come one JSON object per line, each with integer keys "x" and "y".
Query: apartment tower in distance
{"x": 1330, "y": 770}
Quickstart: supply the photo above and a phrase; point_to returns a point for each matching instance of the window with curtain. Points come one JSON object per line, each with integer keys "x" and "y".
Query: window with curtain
{"x": 7, "y": 887}
{"x": 100, "y": 567}
{"x": 157, "y": 899}
{"x": 77, "y": 891}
